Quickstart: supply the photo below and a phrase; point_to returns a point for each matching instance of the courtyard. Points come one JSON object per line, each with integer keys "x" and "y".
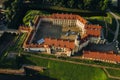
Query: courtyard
{"x": 48, "y": 30}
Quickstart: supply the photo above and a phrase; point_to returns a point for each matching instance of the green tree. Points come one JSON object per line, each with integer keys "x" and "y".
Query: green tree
{"x": 105, "y": 5}
{"x": 87, "y": 4}
{"x": 12, "y": 11}
{"x": 8, "y": 8}
{"x": 70, "y": 3}
{"x": 79, "y": 4}
{"x": 95, "y": 5}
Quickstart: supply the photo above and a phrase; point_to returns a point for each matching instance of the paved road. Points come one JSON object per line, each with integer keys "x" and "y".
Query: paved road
{"x": 117, "y": 27}
{"x": 117, "y": 17}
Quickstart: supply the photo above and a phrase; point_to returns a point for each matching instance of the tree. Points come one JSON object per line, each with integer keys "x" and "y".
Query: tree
{"x": 95, "y": 5}
{"x": 12, "y": 8}
{"x": 70, "y": 3}
{"x": 87, "y": 4}
{"x": 105, "y": 5}
{"x": 79, "y": 4}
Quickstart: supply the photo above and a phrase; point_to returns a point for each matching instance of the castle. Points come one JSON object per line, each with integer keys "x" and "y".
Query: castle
{"x": 69, "y": 42}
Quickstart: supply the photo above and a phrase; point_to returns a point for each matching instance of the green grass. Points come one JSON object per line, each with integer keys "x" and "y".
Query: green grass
{"x": 68, "y": 9}
{"x": 31, "y": 14}
{"x": 113, "y": 72}
{"x": 67, "y": 71}
{"x": 75, "y": 59}
{"x": 58, "y": 8}
{"x": 8, "y": 63}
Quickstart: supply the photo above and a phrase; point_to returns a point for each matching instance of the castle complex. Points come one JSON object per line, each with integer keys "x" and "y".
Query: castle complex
{"x": 61, "y": 34}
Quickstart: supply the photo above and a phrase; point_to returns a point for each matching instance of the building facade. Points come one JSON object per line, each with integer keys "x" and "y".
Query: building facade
{"x": 61, "y": 46}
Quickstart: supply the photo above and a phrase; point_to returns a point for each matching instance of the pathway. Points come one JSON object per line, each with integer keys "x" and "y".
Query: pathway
{"x": 113, "y": 77}
{"x": 117, "y": 17}
{"x": 117, "y": 28}
{"x": 10, "y": 71}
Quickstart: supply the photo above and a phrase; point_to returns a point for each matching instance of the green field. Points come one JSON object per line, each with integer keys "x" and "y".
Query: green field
{"x": 113, "y": 72}
{"x": 31, "y": 14}
{"x": 67, "y": 71}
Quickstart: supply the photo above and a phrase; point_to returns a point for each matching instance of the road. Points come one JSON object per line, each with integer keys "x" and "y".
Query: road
{"x": 118, "y": 25}
{"x": 117, "y": 17}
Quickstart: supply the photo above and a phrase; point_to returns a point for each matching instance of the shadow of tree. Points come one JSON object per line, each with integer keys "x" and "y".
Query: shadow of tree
{"x": 18, "y": 77}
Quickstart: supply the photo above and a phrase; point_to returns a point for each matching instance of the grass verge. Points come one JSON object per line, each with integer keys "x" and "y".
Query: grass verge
{"x": 113, "y": 72}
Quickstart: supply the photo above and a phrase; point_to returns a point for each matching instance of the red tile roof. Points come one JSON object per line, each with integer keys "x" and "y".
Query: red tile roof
{"x": 53, "y": 42}
{"x": 24, "y": 28}
{"x": 93, "y": 30}
{"x": 102, "y": 56}
{"x": 59, "y": 43}
{"x": 66, "y": 16}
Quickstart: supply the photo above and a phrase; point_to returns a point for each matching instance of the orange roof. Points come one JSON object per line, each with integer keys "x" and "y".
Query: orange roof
{"x": 102, "y": 56}
{"x": 69, "y": 16}
{"x": 92, "y": 26}
{"x": 59, "y": 43}
{"x": 24, "y": 28}
{"x": 93, "y": 30}
{"x": 52, "y": 42}
{"x": 66, "y": 16}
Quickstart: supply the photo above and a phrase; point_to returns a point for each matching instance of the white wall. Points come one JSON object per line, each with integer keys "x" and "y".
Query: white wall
{"x": 37, "y": 49}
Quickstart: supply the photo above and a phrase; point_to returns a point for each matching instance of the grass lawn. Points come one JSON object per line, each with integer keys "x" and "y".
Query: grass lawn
{"x": 100, "y": 19}
{"x": 67, "y": 71}
{"x": 113, "y": 72}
